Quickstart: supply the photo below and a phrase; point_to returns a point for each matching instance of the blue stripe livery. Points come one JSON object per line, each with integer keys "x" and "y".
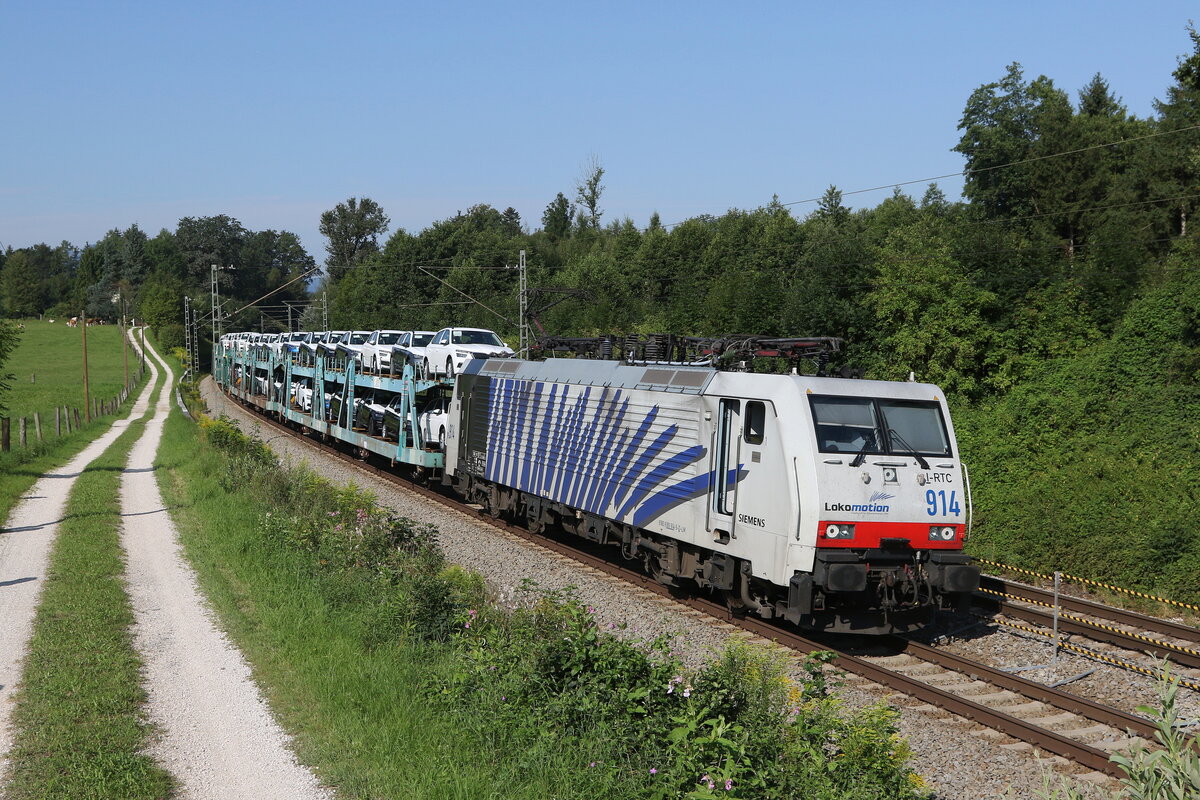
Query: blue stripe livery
{"x": 590, "y": 453}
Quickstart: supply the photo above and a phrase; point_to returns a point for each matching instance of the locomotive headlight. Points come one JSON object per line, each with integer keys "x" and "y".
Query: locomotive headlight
{"x": 942, "y": 534}
{"x": 889, "y": 474}
{"x": 835, "y": 531}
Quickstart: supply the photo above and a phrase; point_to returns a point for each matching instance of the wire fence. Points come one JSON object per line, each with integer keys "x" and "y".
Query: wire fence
{"x": 36, "y": 430}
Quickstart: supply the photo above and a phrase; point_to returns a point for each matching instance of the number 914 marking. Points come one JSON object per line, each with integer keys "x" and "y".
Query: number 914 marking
{"x": 948, "y": 505}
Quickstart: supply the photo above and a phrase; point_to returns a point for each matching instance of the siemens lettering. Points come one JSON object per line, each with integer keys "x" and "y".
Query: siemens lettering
{"x": 867, "y": 508}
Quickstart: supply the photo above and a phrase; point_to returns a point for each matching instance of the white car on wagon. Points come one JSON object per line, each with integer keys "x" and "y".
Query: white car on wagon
{"x": 451, "y": 348}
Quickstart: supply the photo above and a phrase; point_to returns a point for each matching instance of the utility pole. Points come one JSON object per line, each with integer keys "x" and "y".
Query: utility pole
{"x": 87, "y": 400}
{"x": 216, "y": 303}
{"x": 124, "y": 341}
{"x": 187, "y": 330}
{"x": 324, "y": 311}
{"x": 523, "y": 350}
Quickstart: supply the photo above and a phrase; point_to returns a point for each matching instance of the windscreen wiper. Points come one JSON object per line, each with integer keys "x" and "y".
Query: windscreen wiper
{"x": 862, "y": 453}
{"x": 911, "y": 450}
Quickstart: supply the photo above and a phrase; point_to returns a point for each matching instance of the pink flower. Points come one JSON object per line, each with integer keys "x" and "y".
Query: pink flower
{"x": 653, "y": 771}
{"x": 591, "y": 610}
{"x": 708, "y": 780}
{"x": 592, "y": 764}
{"x": 467, "y": 624}
{"x": 728, "y": 784}
{"x": 472, "y": 612}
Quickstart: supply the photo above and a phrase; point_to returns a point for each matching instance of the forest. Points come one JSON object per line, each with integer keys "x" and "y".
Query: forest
{"x": 1057, "y": 302}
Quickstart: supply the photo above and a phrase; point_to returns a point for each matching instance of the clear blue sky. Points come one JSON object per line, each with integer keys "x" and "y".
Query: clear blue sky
{"x": 272, "y": 112}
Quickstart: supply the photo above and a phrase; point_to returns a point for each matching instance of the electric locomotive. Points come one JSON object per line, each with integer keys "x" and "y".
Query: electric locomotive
{"x": 837, "y": 504}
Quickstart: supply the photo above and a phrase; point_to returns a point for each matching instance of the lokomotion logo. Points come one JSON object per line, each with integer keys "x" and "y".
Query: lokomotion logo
{"x": 872, "y": 506}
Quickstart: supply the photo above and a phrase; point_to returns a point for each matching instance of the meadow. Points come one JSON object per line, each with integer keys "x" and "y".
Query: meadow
{"x": 47, "y": 368}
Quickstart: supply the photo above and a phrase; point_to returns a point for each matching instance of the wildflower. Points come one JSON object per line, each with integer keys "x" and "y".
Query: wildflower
{"x": 728, "y": 784}
{"x": 467, "y": 624}
{"x": 472, "y": 612}
{"x": 331, "y": 514}
{"x": 360, "y": 515}
{"x": 677, "y": 679}
{"x": 591, "y": 610}
{"x": 687, "y": 692}
{"x": 503, "y": 698}
{"x": 592, "y": 764}
{"x": 653, "y": 771}
{"x": 706, "y": 779}
{"x": 337, "y": 527}
{"x": 612, "y": 625}
{"x": 670, "y": 688}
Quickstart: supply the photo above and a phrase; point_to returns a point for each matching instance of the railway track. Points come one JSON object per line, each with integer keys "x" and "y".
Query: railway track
{"x": 1078, "y": 730}
{"x": 1160, "y": 638}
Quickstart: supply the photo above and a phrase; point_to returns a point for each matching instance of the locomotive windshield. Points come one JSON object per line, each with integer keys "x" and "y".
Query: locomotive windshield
{"x": 858, "y": 425}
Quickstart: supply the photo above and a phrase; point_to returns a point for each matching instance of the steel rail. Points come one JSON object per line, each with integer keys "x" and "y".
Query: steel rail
{"x": 1043, "y": 738}
{"x": 1079, "y": 605}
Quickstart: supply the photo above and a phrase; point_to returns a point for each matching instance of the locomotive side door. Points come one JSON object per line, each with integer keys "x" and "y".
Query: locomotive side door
{"x": 723, "y": 491}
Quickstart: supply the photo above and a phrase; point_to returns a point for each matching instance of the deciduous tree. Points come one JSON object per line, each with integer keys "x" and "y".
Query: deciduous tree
{"x": 353, "y": 229}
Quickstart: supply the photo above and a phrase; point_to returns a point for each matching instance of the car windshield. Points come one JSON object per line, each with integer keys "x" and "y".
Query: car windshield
{"x": 421, "y": 339}
{"x": 477, "y": 337}
{"x": 358, "y": 337}
{"x": 857, "y": 425}
{"x": 389, "y": 338}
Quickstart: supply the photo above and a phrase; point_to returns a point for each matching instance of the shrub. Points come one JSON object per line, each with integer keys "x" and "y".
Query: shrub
{"x": 171, "y": 336}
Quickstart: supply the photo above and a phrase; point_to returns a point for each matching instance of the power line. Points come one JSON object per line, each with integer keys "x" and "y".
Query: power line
{"x": 968, "y": 172}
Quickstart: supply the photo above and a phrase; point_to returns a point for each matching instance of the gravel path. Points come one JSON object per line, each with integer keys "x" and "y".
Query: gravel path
{"x": 217, "y": 735}
{"x": 25, "y": 544}
{"x": 958, "y": 761}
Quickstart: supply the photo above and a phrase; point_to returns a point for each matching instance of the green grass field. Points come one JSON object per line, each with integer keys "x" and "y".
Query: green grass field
{"x": 47, "y": 368}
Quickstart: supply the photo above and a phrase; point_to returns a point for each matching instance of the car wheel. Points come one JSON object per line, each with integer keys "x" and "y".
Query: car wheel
{"x": 449, "y": 368}
{"x": 425, "y": 370}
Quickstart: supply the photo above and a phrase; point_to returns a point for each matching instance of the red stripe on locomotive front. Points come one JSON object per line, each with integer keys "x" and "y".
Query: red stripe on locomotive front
{"x": 868, "y": 534}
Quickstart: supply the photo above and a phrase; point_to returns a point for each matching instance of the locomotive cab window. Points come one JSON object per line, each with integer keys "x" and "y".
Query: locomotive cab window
{"x": 879, "y": 426}
{"x": 756, "y": 422}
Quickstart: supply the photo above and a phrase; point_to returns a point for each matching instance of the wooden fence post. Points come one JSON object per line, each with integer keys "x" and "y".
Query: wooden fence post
{"x": 76, "y": 410}
{"x": 37, "y": 425}
{"x": 57, "y": 422}
{"x": 4, "y": 431}
{"x": 21, "y": 432}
